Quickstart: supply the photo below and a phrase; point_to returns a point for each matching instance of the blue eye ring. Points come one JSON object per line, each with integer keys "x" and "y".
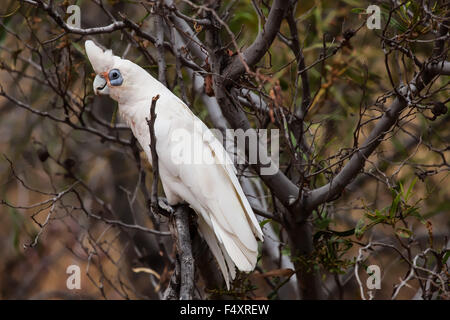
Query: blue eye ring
{"x": 115, "y": 78}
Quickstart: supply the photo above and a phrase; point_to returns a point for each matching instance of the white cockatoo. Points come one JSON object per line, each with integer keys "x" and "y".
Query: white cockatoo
{"x": 209, "y": 186}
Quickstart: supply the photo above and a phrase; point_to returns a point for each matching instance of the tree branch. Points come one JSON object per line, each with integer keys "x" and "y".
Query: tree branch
{"x": 159, "y": 44}
{"x": 442, "y": 68}
{"x": 262, "y": 43}
{"x": 179, "y": 217}
{"x": 334, "y": 188}
{"x": 117, "y": 25}
{"x": 184, "y": 248}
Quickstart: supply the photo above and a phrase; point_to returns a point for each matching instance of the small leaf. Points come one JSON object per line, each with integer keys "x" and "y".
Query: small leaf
{"x": 394, "y": 205}
{"x": 322, "y": 223}
{"x": 286, "y": 251}
{"x": 413, "y": 212}
{"x": 445, "y": 257}
{"x": 411, "y": 186}
{"x": 403, "y": 232}
{"x": 264, "y": 222}
{"x": 79, "y": 49}
{"x": 359, "y": 229}
{"x": 358, "y": 10}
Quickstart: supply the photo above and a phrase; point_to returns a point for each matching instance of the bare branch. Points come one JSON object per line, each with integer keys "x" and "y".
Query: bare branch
{"x": 334, "y": 188}
{"x": 262, "y": 43}
{"x": 183, "y": 240}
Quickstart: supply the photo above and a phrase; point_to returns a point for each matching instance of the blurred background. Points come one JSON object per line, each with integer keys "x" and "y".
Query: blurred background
{"x": 72, "y": 176}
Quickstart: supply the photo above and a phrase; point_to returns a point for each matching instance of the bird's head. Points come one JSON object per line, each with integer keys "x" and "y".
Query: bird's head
{"x": 114, "y": 76}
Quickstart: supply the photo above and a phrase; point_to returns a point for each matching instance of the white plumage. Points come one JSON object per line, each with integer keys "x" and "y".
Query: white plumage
{"x": 226, "y": 220}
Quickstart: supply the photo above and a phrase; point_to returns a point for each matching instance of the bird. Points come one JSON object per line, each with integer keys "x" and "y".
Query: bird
{"x": 208, "y": 185}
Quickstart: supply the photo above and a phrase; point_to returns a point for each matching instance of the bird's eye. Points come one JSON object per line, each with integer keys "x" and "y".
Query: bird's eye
{"x": 115, "y": 78}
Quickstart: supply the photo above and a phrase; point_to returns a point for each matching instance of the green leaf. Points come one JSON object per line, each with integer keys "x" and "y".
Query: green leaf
{"x": 79, "y": 49}
{"x": 394, "y": 205}
{"x": 413, "y": 212}
{"x": 264, "y": 222}
{"x": 242, "y": 15}
{"x": 322, "y": 223}
{"x": 143, "y": 18}
{"x": 114, "y": 115}
{"x": 445, "y": 257}
{"x": 394, "y": 22}
{"x": 307, "y": 14}
{"x": 358, "y": 10}
{"x": 403, "y": 232}
{"x": 376, "y": 216}
{"x": 286, "y": 251}
{"x": 17, "y": 220}
{"x": 360, "y": 228}
{"x": 411, "y": 186}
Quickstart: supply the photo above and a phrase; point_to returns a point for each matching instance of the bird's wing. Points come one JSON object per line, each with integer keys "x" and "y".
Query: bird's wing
{"x": 209, "y": 186}
{"x": 231, "y": 172}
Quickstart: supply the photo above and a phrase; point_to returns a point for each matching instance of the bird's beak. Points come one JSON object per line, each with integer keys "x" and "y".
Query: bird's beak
{"x": 100, "y": 85}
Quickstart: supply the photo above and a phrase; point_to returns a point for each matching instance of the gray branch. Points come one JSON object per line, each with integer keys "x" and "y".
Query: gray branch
{"x": 184, "y": 248}
{"x": 117, "y": 25}
{"x": 262, "y": 43}
{"x": 334, "y": 188}
{"x": 159, "y": 44}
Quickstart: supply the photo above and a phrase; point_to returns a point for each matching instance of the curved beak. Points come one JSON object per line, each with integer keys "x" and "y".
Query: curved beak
{"x": 100, "y": 85}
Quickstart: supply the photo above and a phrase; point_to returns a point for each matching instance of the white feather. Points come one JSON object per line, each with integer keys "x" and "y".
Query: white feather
{"x": 211, "y": 188}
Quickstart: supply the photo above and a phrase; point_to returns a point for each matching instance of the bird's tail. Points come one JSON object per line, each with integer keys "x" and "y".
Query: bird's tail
{"x": 226, "y": 265}
{"x": 229, "y": 250}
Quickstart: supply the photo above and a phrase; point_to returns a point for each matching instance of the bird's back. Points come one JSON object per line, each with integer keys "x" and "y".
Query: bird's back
{"x": 194, "y": 167}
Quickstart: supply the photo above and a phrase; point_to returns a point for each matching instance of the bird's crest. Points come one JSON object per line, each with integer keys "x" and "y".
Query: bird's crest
{"x": 101, "y": 61}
